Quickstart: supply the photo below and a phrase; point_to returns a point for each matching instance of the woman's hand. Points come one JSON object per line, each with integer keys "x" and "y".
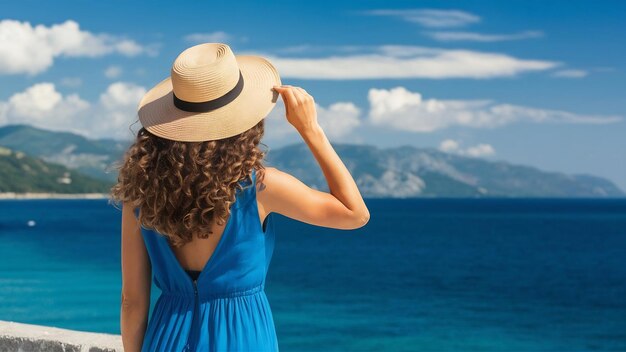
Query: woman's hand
{"x": 300, "y": 108}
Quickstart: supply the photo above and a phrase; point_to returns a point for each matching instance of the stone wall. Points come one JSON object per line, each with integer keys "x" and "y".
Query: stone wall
{"x": 27, "y": 338}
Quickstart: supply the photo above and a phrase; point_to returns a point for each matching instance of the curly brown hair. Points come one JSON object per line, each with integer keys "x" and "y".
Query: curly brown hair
{"x": 182, "y": 187}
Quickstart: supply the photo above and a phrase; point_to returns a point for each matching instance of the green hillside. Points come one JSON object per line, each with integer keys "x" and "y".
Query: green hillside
{"x": 22, "y": 173}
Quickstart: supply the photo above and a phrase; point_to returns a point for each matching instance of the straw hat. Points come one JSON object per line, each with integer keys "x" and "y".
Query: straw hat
{"x": 211, "y": 94}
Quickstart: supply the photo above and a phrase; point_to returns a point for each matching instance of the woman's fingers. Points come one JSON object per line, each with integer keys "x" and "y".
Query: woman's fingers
{"x": 304, "y": 94}
{"x": 299, "y": 93}
{"x": 293, "y": 96}
{"x": 300, "y": 96}
{"x": 288, "y": 96}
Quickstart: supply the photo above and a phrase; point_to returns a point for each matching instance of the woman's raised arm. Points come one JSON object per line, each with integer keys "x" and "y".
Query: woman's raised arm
{"x": 343, "y": 207}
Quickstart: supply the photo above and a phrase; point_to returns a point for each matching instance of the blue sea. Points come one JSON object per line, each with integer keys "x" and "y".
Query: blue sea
{"x": 422, "y": 275}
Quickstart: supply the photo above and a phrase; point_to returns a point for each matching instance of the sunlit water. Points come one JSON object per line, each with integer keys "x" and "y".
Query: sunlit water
{"x": 424, "y": 274}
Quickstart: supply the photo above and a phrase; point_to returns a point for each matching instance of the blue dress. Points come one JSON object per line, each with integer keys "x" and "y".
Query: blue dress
{"x": 226, "y": 308}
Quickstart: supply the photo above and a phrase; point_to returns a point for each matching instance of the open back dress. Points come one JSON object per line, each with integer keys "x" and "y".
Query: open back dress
{"x": 225, "y": 308}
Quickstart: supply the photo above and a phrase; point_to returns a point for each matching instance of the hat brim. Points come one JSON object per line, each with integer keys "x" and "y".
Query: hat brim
{"x": 158, "y": 114}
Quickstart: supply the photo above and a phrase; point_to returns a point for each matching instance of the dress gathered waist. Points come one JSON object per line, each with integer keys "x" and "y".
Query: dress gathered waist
{"x": 208, "y": 296}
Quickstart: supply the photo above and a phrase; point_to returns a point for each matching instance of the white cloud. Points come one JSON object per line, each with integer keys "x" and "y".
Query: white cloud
{"x": 113, "y": 72}
{"x": 449, "y": 146}
{"x": 338, "y": 120}
{"x": 43, "y": 106}
{"x": 408, "y": 111}
{"x": 570, "y": 74}
{"x": 36, "y": 100}
{"x": 32, "y": 50}
{"x": 432, "y": 18}
{"x": 447, "y": 36}
{"x": 118, "y": 109}
{"x": 213, "y": 37}
{"x": 479, "y": 150}
{"x": 406, "y": 61}
{"x": 129, "y": 48}
{"x": 122, "y": 94}
{"x": 276, "y": 125}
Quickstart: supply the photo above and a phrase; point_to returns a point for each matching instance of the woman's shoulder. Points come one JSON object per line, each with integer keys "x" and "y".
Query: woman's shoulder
{"x": 273, "y": 186}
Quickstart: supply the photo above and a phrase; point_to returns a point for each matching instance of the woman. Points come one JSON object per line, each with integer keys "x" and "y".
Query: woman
{"x": 197, "y": 203}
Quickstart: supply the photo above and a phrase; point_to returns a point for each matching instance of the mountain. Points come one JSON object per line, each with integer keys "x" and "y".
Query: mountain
{"x": 90, "y": 157}
{"x": 401, "y": 172}
{"x": 408, "y": 171}
{"x": 21, "y": 173}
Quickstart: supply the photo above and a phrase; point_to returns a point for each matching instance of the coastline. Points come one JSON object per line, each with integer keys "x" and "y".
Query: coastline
{"x": 35, "y": 195}
{"x": 16, "y": 336}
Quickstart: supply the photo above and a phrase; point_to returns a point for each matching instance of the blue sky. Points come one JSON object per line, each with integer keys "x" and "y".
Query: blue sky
{"x": 540, "y": 83}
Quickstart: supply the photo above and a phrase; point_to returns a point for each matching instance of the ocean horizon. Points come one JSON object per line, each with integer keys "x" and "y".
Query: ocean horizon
{"x": 436, "y": 274}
